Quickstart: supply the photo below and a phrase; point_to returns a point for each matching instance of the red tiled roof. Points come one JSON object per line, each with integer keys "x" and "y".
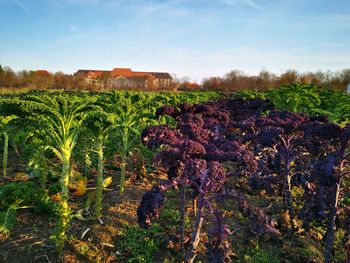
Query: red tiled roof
{"x": 128, "y": 73}
{"x": 125, "y": 72}
{"x": 158, "y": 75}
{"x": 84, "y": 72}
{"x": 96, "y": 74}
{"x": 191, "y": 85}
{"x": 144, "y": 74}
{"x": 42, "y": 72}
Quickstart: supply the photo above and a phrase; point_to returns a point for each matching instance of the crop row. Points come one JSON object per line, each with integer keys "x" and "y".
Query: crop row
{"x": 53, "y": 133}
{"x": 287, "y": 147}
{"x": 300, "y": 163}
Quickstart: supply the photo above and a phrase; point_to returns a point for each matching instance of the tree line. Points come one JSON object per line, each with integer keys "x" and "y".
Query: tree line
{"x": 237, "y": 80}
{"x": 234, "y": 80}
{"x": 39, "y": 79}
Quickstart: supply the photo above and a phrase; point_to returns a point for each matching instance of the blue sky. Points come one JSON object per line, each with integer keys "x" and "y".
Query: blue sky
{"x": 194, "y": 38}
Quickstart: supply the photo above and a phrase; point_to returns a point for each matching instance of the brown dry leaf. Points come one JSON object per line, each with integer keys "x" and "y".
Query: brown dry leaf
{"x": 22, "y": 177}
{"x": 56, "y": 197}
{"x": 80, "y": 188}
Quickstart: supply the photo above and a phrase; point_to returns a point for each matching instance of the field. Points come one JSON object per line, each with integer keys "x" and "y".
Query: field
{"x": 169, "y": 177}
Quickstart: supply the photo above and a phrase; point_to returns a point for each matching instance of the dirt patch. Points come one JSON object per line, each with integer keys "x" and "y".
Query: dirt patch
{"x": 89, "y": 241}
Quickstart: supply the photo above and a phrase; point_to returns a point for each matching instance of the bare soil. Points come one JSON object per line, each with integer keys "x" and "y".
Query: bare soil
{"x": 89, "y": 241}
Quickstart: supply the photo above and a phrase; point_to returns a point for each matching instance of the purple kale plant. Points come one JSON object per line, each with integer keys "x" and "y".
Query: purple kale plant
{"x": 193, "y": 153}
{"x": 330, "y": 165}
{"x": 275, "y": 140}
{"x": 151, "y": 202}
{"x": 273, "y": 152}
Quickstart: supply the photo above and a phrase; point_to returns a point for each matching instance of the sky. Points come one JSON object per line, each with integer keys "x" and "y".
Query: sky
{"x": 189, "y": 38}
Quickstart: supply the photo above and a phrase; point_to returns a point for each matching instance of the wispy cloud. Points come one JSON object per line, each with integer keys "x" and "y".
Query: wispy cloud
{"x": 75, "y": 36}
{"x": 80, "y": 1}
{"x": 24, "y": 8}
{"x": 145, "y": 8}
{"x": 63, "y": 3}
{"x": 152, "y": 7}
{"x": 250, "y": 3}
{"x": 73, "y": 29}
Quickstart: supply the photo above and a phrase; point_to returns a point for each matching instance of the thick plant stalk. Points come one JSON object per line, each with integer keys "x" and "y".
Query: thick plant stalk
{"x": 99, "y": 186}
{"x": 182, "y": 219}
{"x": 15, "y": 147}
{"x": 330, "y": 225}
{"x": 39, "y": 167}
{"x": 5, "y": 153}
{"x": 64, "y": 215}
{"x": 42, "y": 176}
{"x": 87, "y": 163}
{"x": 194, "y": 206}
{"x": 122, "y": 174}
{"x": 288, "y": 198}
{"x": 196, "y": 234}
{"x": 347, "y": 250}
{"x": 199, "y": 220}
{"x": 123, "y": 161}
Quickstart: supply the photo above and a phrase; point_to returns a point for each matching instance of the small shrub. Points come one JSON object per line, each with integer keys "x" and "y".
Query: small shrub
{"x": 140, "y": 245}
{"x": 14, "y": 196}
{"x": 261, "y": 255}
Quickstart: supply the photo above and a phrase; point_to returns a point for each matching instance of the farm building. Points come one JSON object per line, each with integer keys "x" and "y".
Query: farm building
{"x": 120, "y": 78}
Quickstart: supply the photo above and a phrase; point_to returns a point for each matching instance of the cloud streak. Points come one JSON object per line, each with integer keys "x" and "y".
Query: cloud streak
{"x": 153, "y": 8}
{"x": 20, "y": 5}
{"x": 71, "y": 38}
{"x": 250, "y": 3}
{"x": 172, "y": 7}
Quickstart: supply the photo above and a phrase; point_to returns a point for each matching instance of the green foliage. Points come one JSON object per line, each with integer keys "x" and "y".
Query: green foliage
{"x": 241, "y": 218}
{"x": 59, "y": 236}
{"x": 60, "y": 117}
{"x": 14, "y": 196}
{"x": 170, "y": 218}
{"x": 26, "y": 192}
{"x": 57, "y": 128}
{"x": 345, "y": 201}
{"x": 249, "y": 94}
{"x": 131, "y": 112}
{"x": 50, "y": 128}
{"x": 144, "y": 245}
{"x": 336, "y": 105}
{"x": 54, "y": 187}
{"x": 98, "y": 126}
{"x": 44, "y": 205}
{"x": 295, "y": 97}
{"x": 5, "y": 153}
{"x": 4, "y": 130}
{"x": 261, "y": 255}
{"x": 301, "y": 249}
{"x": 99, "y": 186}
{"x": 8, "y": 219}
{"x": 140, "y": 245}
{"x": 38, "y": 165}
{"x": 306, "y": 98}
